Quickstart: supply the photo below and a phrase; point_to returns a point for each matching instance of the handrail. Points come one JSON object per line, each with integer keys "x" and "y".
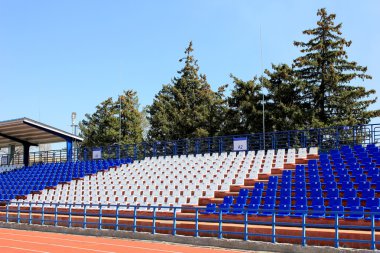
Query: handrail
{"x": 111, "y": 216}
{"x": 323, "y": 138}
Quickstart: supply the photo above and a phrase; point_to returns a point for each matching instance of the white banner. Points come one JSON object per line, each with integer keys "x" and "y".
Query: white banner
{"x": 97, "y": 153}
{"x": 240, "y": 144}
{"x": 4, "y": 160}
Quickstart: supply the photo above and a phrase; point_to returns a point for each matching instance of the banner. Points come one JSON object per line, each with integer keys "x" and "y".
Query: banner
{"x": 240, "y": 144}
{"x": 4, "y": 160}
{"x": 97, "y": 153}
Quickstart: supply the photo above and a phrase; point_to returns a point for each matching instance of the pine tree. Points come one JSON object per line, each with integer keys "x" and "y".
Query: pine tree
{"x": 327, "y": 73}
{"x": 131, "y": 118}
{"x": 99, "y": 128}
{"x": 285, "y": 109}
{"x": 114, "y": 122}
{"x": 244, "y": 113}
{"x": 187, "y": 107}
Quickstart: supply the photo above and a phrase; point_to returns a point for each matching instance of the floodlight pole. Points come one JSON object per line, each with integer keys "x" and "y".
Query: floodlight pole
{"x": 119, "y": 121}
{"x": 262, "y": 87}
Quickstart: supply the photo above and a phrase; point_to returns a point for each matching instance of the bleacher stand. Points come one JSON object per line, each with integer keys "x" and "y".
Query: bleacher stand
{"x": 156, "y": 181}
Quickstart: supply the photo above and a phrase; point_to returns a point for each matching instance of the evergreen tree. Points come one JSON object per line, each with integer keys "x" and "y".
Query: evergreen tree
{"x": 114, "y": 122}
{"x": 285, "y": 109}
{"x": 327, "y": 73}
{"x": 187, "y": 107}
{"x": 244, "y": 114}
{"x": 218, "y": 111}
{"x": 131, "y": 118}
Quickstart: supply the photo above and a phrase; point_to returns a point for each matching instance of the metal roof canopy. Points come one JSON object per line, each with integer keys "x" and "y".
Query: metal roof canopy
{"x": 28, "y": 132}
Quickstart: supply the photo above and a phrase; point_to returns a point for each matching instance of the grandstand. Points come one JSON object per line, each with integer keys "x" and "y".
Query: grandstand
{"x": 297, "y": 195}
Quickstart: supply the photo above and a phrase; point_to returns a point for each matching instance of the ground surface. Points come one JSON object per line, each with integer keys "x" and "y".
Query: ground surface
{"x": 19, "y": 241}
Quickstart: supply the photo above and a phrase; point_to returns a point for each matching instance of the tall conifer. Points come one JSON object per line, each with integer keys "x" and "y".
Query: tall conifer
{"x": 328, "y": 75}
{"x": 186, "y": 108}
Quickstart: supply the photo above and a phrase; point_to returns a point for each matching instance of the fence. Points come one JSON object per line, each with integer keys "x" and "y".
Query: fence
{"x": 324, "y": 138}
{"x": 167, "y": 220}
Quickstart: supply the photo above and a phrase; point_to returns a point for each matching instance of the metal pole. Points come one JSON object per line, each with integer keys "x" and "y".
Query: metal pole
{"x": 196, "y": 223}
{"x": 245, "y": 225}
{"x": 174, "y": 229}
{"x": 120, "y": 120}
{"x": 55, "y": 214}
{"x": 117, "y": 217}
{"x": 261, "y": 82}
{"x": 134, "y": 219}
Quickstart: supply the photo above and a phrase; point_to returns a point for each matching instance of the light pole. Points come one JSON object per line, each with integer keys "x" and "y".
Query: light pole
{"x": 262, "y": 86}
{"x": 119, "y": 121}
{"x": 74, "y": 129}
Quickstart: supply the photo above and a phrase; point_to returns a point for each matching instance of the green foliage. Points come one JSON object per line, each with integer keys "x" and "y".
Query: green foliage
{"x": 285, "y": 108}
{"x": 187, "y": 107}
{"x": 317, "y": 91}
{"x": 244, "y": 114}
{"x": 109, "y": 125}
{"x": 327, "y": 76}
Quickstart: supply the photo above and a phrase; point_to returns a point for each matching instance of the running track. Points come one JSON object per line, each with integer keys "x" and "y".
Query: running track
{"x": 19, "y": 241}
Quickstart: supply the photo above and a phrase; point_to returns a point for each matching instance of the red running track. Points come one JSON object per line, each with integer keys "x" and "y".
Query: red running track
{"x": 20, "y": 241}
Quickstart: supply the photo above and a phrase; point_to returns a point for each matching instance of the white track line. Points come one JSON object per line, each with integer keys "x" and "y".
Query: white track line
{"x": 98, "y": 243}
{"x": 23, "y": 249}
{"x": 56, "y": 245}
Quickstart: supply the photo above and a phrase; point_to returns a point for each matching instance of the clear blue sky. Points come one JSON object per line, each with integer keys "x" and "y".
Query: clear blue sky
{"x": 57, "y": 57}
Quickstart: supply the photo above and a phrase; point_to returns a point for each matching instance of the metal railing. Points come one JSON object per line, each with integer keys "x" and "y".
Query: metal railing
{"x": 324, "y": 138}
{"x": 166, "y": 220}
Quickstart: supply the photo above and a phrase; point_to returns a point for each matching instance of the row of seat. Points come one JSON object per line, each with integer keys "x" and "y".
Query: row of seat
{"x": 316, "y": 187}
{"x": 36, "y": 178}
{"x": 171, "y": 180}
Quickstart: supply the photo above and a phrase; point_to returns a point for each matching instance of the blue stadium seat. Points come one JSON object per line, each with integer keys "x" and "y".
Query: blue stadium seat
{"x": 237, "y": 209}
{"x": 301, "y": 192}
{"x": 372, "y": 202}
{"x": 375, "y": 178}
{"x": 316, "y": 192}
{"x": 349, "y": 193}
{"x": 301, "y": 201}
{"x": 243, "y": 192}
{"x": 299, "y": 210}
{"x": 241, "y": 200}
{"x": 255, "y": 200}
{"x": 269, "y": 200}
{"x": 318, "y": 211}
{"x": 356, "y": 213}
{"x": 286, "y": 192}
{"x": 315, "y": 185}
{"x": 252, "y": 209}
{"x": 224, "y": 207}
{"x": 228, "y": 200}
{"x": 259, "y": 185}
{"x": 271, "y": 192}
{"x": 285, "y": 200}
{"x": 375, "y": 211}
{"x": 210, "y": 209}
{"x": 331, "y": 185}
{"x": 283, "y": 210}
{"x": 336, "y": 201}
{"x": 368, "y": 193}
{"x": 336, "y": 211}
{"x": 364, "y": 185}
{"x": 257, "y": 192}
{"x": 318, "y": 201}
{"x": 333, "y": 193}
{"x": 267, "y": 210}
{"x": 352, "y": 202}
